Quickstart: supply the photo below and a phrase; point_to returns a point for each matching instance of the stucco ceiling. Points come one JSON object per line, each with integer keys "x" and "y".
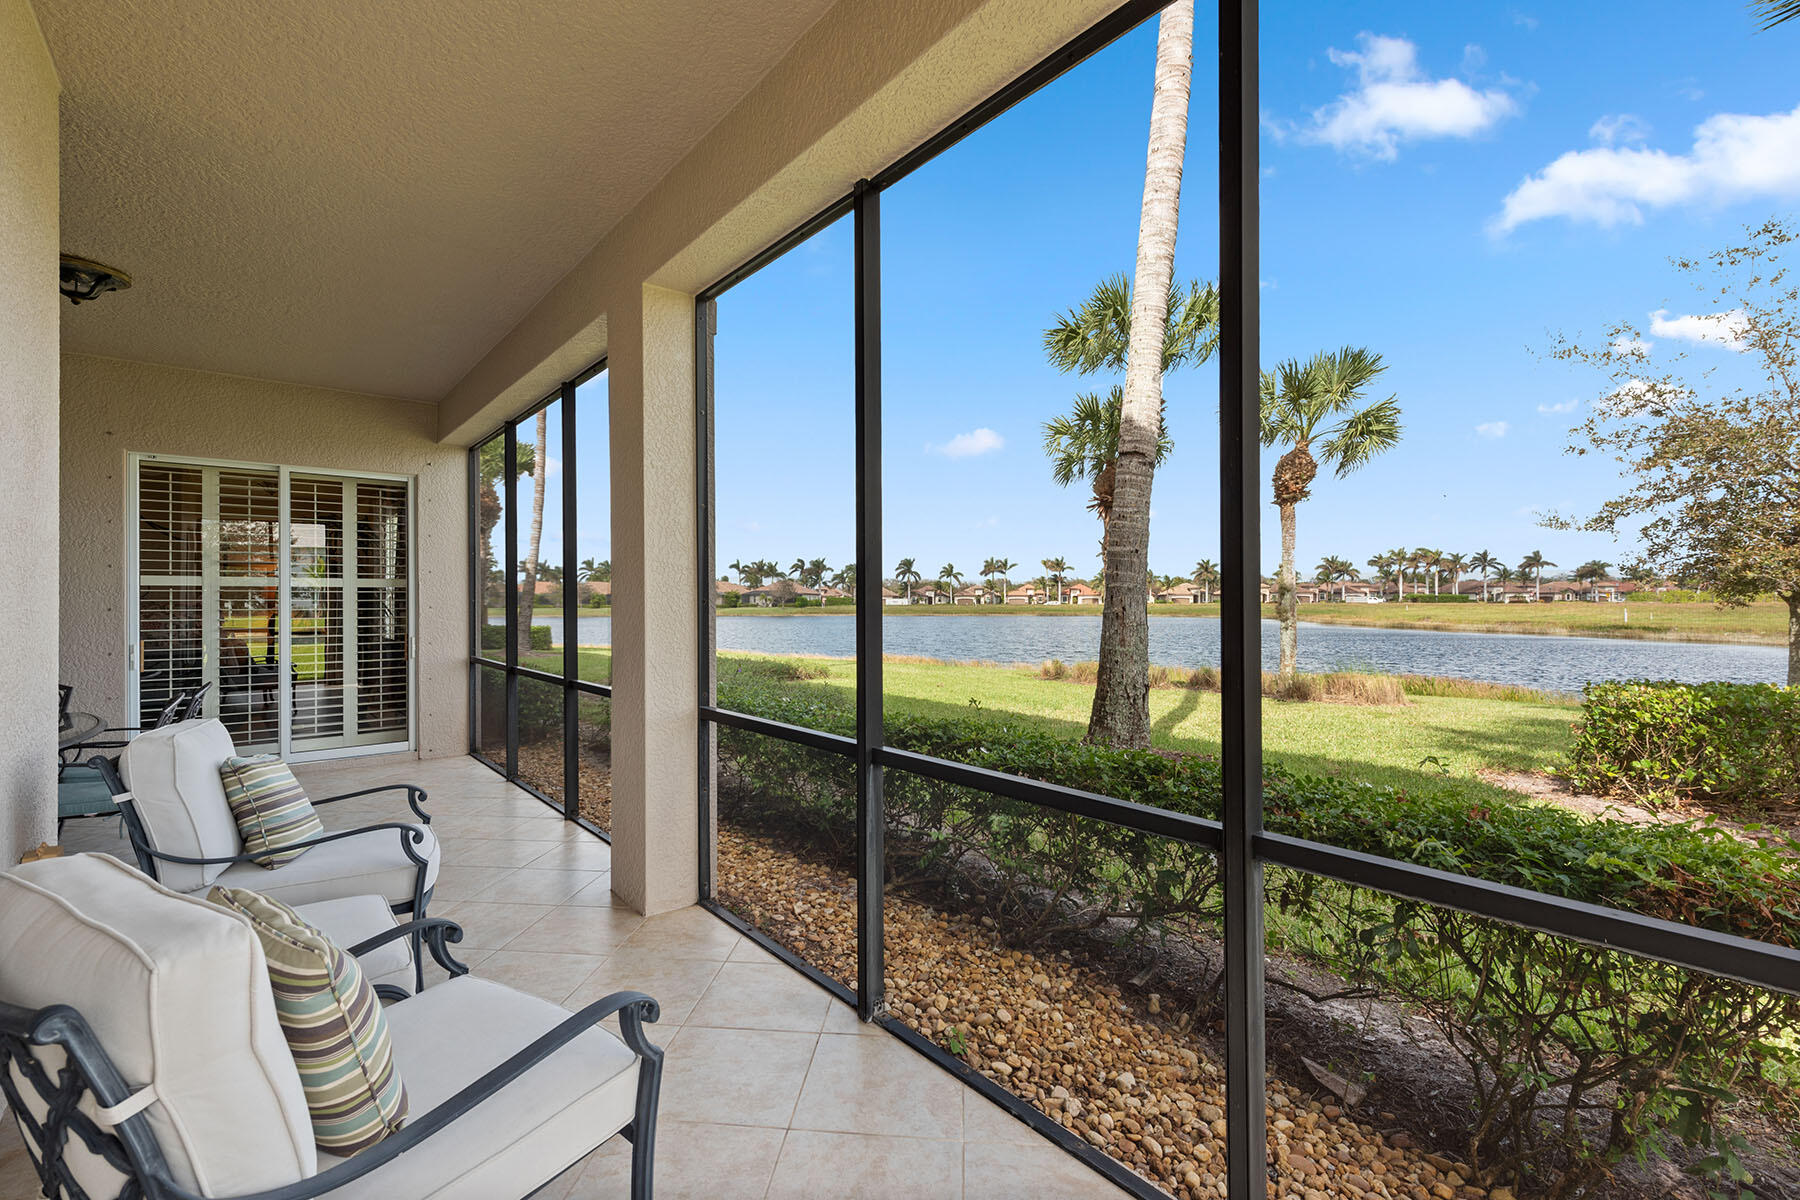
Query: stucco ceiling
{"x": 368, "y": 195}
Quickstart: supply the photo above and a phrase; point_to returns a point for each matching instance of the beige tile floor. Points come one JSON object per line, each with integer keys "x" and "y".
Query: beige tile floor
{"x": 772, "y": 1087}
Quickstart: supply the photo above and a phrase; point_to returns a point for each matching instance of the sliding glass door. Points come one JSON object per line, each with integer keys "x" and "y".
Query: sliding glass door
{"x": 285, "y": 595}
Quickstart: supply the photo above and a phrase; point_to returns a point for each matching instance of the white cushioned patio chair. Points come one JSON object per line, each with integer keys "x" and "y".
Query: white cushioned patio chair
{"x": 141, "y": 1056}
{"x": 166, "y": 783}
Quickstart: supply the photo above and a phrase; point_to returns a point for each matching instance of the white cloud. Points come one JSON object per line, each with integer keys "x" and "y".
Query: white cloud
{"x": 967, "y": 445}
{"x": 1566, "y": 406}
{"x": 1616, "y": 128}
{"x": 1734, "y": 157}
{"x": 1493, "y": 429}
{"x": 1722, "y": 329}
{"x": 1395, "y": 102}
{"x": 1523, "y": 20}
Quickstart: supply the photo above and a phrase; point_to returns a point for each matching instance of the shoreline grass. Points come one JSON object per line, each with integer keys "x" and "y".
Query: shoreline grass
{"x": 1760, "y": 624}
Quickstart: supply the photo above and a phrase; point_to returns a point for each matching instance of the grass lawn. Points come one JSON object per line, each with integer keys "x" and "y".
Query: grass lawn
{"x": 1391, "y": 746}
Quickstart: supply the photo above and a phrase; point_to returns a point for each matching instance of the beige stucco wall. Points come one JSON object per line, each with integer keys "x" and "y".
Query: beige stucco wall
{"x": 112, "y": 408}
{"x": 28, "y": 369}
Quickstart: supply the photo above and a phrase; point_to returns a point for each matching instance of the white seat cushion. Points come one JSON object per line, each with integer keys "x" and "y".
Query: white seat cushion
{"x": 173, "y": 774}
{"x": 538, "y": 1126}
{"x": 354, "y": 919}
{"x": 177, "y": 991}
{"x": 369, "y": 864}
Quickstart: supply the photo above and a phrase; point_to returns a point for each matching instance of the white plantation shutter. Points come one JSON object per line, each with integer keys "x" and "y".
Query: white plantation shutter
{"x": 208, "y": 602}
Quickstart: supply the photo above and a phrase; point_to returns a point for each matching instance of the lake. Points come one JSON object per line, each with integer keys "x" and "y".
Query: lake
{"x": 1561, "y": 664}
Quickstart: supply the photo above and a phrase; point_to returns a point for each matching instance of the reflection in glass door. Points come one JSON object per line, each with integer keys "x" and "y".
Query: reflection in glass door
{"x": 306, "y": 652}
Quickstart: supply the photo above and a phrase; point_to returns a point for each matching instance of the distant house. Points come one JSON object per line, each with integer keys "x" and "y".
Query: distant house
{"x": 927, "y": 593}
{"x": 1181, "y": 593}
{"x": 1077, "y": 592}
{"x": 888, "y": 593}
{"x": 1305, "y": 593}
{"x": 723, "y": 587}
{"x": 971, "y": 594}
{"x": 1025, "y": 593}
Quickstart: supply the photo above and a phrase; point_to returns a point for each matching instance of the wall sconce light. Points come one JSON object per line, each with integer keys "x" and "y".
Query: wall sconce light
{"x": 83, "y": 278}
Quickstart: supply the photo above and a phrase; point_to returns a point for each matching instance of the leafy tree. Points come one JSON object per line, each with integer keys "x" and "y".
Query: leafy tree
{"x": 1056, "y": 568}
{"x": 1712, "y": 467}
{"x": 1317, "y": 401}
{"x": 907, "y": 573}
{"x": 491, "y": 469}
{"x": 783, "y": 592}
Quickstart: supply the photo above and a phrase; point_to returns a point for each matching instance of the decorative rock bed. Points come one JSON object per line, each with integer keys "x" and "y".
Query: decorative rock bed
{"x": 1068, "y": 1040}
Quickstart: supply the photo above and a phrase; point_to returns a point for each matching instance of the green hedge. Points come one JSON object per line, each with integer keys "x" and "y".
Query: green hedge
{"x": 1654, "y": 1050}
{"x": 1658, "y": 741}
{"x": 493, "y": 637}
{"x": 1428, "y": 598}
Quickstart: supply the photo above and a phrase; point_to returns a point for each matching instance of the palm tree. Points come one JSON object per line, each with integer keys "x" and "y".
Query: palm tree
{"x": 948, "y": 574}
{"x": 906, "y": 573}
{"x": 1001, "y": 567}
{"x": 1056, "y": 568}
{"x": 735, "y": 565}
{"x": 1484, "y": 562}
{"x": 1084, "y": 444}
{"x": 1317, "y": 401}
{"x": 797, "y": 569}
{"x": 1133, "y": 328}
{"x": 1399, "y": 557}
{"x": 1206, "y": 575}
{"x": 1456, "y": 564}
{"x": 528, "y": 581}
{"x": 1593, "y": 570}
{"x": 815, "y": 572}
{"x": 1773, "y": 12}
{"x": 1504, "y": 574}
{"x": 1383, "y": 566}
{"x": 1535, "y": 561}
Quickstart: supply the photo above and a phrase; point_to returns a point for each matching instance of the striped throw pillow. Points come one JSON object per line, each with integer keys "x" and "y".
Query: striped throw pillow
{"x": 269, "y": 806}
{"x": 334, "y": 1024}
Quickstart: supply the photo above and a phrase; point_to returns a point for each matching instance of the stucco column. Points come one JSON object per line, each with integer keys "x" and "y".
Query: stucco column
{"x": 28, "y": 414}
{"x": 655, "y": 645}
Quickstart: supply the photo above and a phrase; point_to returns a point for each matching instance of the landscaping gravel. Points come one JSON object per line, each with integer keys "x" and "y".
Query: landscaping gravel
{"x": 1096, "y": 1059}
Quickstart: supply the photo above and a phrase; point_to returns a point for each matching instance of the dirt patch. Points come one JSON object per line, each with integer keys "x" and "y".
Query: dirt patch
{"x": 1554, "y": 790}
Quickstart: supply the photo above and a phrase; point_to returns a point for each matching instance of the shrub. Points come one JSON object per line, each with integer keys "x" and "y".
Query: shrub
{"x": 493, "y": 637}
{"x": 1428, "y": 598}
{"x": 1731, "y": 743}
{"x": 1578, "y": 1055}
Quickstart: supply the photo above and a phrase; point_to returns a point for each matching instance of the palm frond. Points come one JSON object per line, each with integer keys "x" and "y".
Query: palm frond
{"x": 1363, "y": 435}
{"x": 1773, "y": 12}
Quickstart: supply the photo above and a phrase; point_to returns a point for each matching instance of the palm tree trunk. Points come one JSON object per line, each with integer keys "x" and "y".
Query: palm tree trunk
{"x": 540, "y": 468}
{"x": 1286, "y": 601}
{"x": 1793, "y": 603}
{"x": 1121, "y": 712}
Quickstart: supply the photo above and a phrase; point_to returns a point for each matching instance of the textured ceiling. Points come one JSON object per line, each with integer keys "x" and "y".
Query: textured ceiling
{"x": 369, "y": 195}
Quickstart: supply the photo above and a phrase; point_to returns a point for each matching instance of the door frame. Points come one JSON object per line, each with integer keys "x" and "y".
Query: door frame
{"x": 285, "y": 471}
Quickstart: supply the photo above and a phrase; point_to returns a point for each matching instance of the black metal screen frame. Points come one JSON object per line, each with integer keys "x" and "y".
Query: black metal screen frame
{"x": 1238, "y": 838}
{"x": 573, "y": 688}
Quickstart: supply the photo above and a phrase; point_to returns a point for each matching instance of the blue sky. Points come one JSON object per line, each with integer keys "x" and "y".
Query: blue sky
{"x": 1449, "y": 185}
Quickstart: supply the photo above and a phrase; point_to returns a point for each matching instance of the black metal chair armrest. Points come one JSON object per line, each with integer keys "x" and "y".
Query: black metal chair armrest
{"x": 410, "y": 836}
{"x": 64, "y": 1026}
{"x": 415, "y": 796}
{"x": 437, "y": 932}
